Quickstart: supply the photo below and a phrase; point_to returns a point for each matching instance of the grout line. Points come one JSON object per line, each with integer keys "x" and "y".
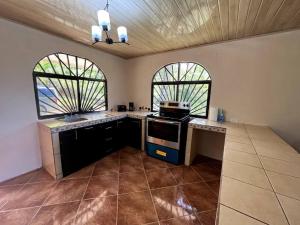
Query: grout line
{"x": 270, "y": 190}
{"x": 194, "y": 212}
{"x": 241, "y": 163}
{"x": 243, "y": 213}
{"x": 150, "y": 190}
{"x": 42, "y": 203}
{"x": 282, "y": 174}
{"x": 117, "y": 211}
{"x": 90, "y": 177}
{"x": 270, "y": 183}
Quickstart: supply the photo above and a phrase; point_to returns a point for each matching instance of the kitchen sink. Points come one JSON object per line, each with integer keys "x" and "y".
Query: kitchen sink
{"x": 72, "y": 119}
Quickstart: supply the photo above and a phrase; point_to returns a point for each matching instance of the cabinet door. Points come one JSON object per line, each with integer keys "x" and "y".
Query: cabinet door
{"x": 121, "y": 133}
{"x": 108, "y": 137}
{"x": 89, "y": 144}
{"x": 134, "y": 132}
{"x": 70, "y": 154}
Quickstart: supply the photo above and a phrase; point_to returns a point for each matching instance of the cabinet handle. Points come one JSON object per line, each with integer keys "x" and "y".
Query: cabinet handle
{"x": 88, "y": 128}
{"x": 76, "y": 136}
{"x": 107, "y": 128}
{"x": 108, "y": 139}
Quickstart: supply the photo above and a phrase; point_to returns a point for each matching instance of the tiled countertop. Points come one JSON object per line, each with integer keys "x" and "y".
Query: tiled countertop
{"x": 56, "y": 125}
{"x": 260, "y": 176}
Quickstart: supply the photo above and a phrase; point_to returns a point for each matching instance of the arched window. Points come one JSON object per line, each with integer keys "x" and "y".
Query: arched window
{"x": 183, "y": 81}
{"x": 66, "y": 84}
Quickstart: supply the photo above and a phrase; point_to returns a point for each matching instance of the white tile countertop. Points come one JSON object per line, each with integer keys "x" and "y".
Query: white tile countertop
{"x": 260, "y": 182}
{"x": 57, "y": 125}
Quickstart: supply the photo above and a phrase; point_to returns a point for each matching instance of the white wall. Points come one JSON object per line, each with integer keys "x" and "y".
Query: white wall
{"x": 255, "y": 80}
{"x": 21, "y": 47}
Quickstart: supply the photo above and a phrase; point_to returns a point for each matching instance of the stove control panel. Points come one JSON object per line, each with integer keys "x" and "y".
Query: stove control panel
{"x": 175, "y": 105}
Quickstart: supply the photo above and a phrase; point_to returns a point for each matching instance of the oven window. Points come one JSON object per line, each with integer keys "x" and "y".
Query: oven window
{"x": 164, "y": 131}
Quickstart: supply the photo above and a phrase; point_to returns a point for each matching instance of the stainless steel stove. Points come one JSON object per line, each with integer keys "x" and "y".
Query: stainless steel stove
{"x": 167, "y": 131}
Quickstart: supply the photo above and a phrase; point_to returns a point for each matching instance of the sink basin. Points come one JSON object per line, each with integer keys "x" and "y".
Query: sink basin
{"x": 72, "y": 119}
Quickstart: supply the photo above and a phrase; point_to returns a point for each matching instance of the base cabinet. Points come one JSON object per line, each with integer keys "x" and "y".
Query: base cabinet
{"x": 83, "y": 146}
{"x": 70, "y": 152}
{"x": 134, "y": 133}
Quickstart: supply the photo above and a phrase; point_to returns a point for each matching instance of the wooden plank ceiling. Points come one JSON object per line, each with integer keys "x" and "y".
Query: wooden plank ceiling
{"x": 157, "y": 25}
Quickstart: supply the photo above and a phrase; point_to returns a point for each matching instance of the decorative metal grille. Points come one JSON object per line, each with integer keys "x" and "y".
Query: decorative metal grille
{"x": 66, "y": 84}
{"x": 183, "y": 81}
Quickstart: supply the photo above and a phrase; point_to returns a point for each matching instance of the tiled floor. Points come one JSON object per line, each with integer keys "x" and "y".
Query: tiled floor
{"x": 125, "y": 188}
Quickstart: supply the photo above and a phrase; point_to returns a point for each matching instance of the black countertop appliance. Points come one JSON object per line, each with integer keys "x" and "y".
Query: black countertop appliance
{"x": 121, "y": 108}
{"x": 131, "y": 106}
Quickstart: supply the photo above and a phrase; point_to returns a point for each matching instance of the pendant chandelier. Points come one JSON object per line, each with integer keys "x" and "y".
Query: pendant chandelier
{"x": 104, "y": 26}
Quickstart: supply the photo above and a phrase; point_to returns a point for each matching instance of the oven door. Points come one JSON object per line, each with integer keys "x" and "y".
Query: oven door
{"x": 164, "y": 132}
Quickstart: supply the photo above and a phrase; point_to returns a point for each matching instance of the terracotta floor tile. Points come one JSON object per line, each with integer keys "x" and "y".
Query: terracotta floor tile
{"x": 152, "y": 163}
{"x": 123, "y": 172}
{"x": 128, "y": 152}
{"x": 113, "y": 156}
{"x": 207, "y": 171}
{"x": 185, "y": 175}
{"x": 207, "y": 218}
{"x": 98, "y": 211}
{"x": 83, "y": 173}
{"x": 101, "y": 186}
{"x": 61, "y": 214}
{"x": 19, "y": 179}
{"x": 135, "y": 209}
{"x": 185, "y": 220}
{"x": 131, "y": 164}
{"x": 68, "y": 191}
{"x": 200, "y": 197}
{"x": 41, "y": 176}
{"x": 160, "y": 178}
{"x": 106, "y": 167}
{"x": 17, "y": 217}
{"x": 7, "y": 193}
{"x": 30, "y": 195}
{"x": 170, "y": 202}
{"x": 214, "y": 185}
{"x": 132, "y": 182}
{"x": 201, "y": 159}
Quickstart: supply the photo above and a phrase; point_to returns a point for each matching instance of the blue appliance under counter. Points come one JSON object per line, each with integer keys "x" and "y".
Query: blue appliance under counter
{"x": 164, "y": 153}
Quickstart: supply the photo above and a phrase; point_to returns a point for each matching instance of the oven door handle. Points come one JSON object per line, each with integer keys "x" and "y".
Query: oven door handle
{"x": 164, "y": 121}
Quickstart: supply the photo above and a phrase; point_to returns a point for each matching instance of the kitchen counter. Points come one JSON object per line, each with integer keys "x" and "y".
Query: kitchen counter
{"x": 50, "y": 138}
{"x": 260, "y": 182}
{"x": 56, "y": 125}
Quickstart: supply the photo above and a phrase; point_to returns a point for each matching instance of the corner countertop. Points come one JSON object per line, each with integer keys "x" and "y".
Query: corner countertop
{"x": 56, "y": 125}
{"x": 260, "y": 181}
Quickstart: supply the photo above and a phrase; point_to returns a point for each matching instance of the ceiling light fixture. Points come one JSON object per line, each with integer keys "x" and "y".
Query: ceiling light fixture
{"x": 104, "y": 25}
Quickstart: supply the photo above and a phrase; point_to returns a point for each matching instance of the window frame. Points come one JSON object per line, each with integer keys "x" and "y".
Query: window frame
{"x": 178, "y": 83}
{"x": 76, "y": 78}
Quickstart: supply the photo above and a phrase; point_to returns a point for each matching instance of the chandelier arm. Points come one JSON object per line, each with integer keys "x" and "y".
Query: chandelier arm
{"x": 95, "y": 42}
{"x": 120, "y": 42}
{"x": 106, "y": 6}
{"x": 107, "y": 36}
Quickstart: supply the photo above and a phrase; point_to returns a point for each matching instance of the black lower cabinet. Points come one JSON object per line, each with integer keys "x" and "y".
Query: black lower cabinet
{"x": 121, "y": 133}
{"x": 83, "y": 146}
{"x": 70, "y": 152}
{"x": 108, "y": 137}
{"x": 89, "y": 144}
{"x": 134, "y": 132}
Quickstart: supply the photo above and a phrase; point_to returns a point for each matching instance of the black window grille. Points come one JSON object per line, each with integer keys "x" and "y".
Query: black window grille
{"x": 182, "y": 81}
{"x": 66, "y": 84}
